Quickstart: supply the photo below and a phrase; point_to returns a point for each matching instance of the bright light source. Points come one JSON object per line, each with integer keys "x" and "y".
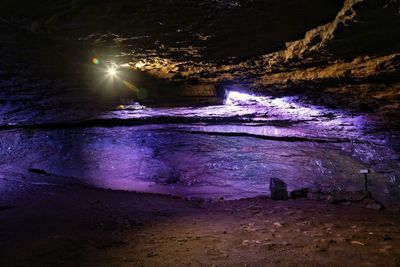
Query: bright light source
{"x": 112, "y": 71}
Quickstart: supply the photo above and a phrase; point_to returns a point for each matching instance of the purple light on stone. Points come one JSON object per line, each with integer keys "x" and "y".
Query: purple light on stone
{"x": 238, "y": 98}
{"x": 287, "y": 107}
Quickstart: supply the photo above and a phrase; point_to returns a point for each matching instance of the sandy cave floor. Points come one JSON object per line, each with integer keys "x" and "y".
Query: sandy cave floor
{"x": 78, "y": 226}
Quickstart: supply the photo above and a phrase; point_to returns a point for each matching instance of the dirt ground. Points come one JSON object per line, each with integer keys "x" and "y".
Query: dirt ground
{"x": 77, "y": 226}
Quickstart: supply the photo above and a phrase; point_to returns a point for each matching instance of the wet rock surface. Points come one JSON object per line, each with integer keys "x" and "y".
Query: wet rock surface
{"x": 228, "y": 150}
{"x": 174, "y": 160}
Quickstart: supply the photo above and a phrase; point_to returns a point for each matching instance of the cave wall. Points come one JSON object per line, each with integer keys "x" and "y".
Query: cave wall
{"x": 238, "y": 29}
{"x": 270, "y": 46}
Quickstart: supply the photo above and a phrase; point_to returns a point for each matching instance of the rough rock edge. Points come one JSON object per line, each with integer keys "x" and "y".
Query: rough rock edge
{"x": 318, "y": 38}
{"x": 357, "y": 198}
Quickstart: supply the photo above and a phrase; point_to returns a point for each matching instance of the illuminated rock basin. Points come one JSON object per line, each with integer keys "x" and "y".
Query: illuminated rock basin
{"x": 228, "y": 151}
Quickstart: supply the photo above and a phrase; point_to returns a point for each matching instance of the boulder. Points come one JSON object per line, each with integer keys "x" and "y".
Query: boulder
{"x": 352, "y": 196}
{"x": 318, "y": 195}
{"x": 278, "y": 189}
{"x": 371, "y": 203}
{"x": 299, "y": 193}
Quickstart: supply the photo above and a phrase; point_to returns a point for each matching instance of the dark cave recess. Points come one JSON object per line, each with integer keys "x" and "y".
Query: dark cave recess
{"x": 238, "y": 29}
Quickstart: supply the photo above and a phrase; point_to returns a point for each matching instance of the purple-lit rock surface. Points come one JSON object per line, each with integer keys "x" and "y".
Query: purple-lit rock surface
{"x": 311, "y": 100}
{"x": 229, "y": 150}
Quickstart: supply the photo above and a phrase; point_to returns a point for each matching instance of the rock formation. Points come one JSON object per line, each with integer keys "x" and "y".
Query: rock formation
{"x": 278, "y": 189}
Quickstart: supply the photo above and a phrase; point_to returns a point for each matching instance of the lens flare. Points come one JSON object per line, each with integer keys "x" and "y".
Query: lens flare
{"x": 95, "y": 61}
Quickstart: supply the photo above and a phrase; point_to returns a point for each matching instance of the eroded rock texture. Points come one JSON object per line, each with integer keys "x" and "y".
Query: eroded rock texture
{"x": 359, "y": 48}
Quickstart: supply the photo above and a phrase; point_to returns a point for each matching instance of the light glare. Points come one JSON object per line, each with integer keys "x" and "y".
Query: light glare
{"x": 112, "y": 71}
